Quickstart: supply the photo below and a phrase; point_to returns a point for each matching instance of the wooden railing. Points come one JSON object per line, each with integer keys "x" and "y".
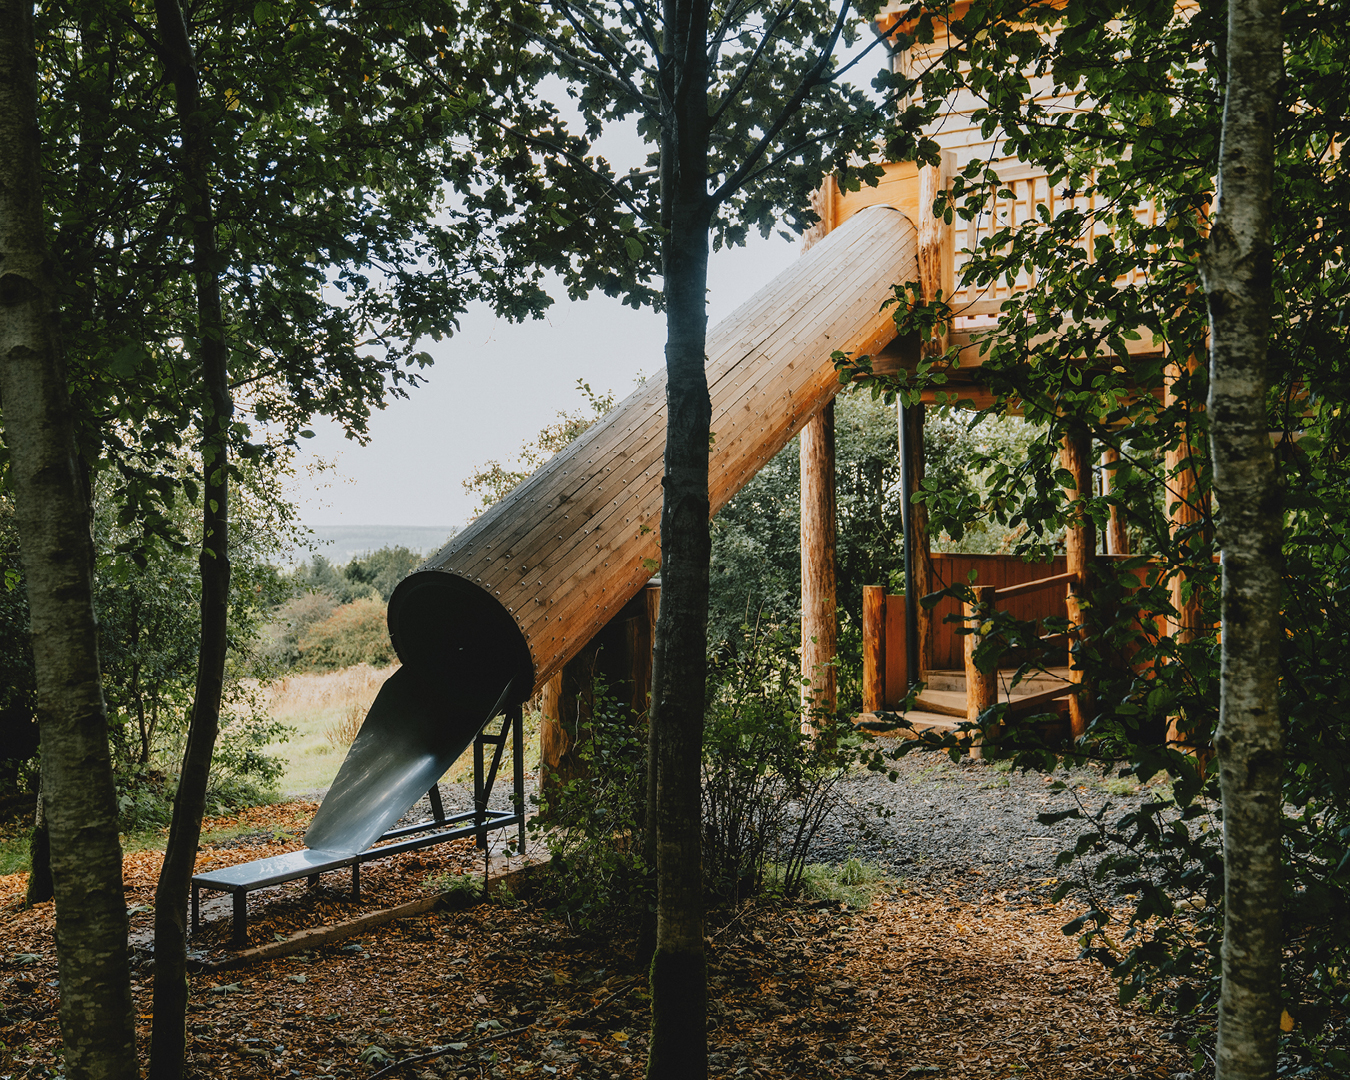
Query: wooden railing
{"x": 982, "y": 686}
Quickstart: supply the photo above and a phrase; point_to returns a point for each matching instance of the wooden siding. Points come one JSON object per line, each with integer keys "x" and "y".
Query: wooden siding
{"x": 999, "y": 571}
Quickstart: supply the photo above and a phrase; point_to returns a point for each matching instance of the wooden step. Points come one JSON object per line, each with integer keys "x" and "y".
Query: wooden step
{"x": 918, "y": 721}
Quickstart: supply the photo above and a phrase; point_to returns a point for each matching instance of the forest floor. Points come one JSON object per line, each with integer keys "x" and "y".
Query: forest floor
{"x": 959, "y": 976}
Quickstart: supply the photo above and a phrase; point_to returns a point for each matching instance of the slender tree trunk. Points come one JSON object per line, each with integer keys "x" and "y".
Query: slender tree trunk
{"x": 1237, "y": 278}
{"x": 168, "y": 1040}
{"x": 678, "y": 1049}
{"x": 52, "y": 512}
{"x": 40, "y": 887}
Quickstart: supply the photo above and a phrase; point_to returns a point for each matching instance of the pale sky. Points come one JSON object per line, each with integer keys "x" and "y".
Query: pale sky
{"x": 493, "y": 387}
{"x": 495, "y": 384}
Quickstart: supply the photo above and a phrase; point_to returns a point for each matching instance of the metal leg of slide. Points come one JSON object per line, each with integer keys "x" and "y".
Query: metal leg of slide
{"x": 518, "y": 762}
{"x": 313, "y": 881}
{"x": 437, "y": 808}
{"x": 239, "y": 936}
{"x": 479, "y": 795}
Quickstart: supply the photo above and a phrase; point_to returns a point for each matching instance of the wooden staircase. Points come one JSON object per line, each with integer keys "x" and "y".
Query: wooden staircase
{"x": 942, "y": 705}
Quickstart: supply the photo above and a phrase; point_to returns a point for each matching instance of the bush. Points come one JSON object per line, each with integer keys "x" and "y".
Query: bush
{"x": 767, "y": 787}
{"x": 595, "y": 822}
{"x": 355, "y": 633}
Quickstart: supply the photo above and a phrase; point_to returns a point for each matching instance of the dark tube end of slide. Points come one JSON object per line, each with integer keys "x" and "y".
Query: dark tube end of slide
{"x": 454, "y": 634}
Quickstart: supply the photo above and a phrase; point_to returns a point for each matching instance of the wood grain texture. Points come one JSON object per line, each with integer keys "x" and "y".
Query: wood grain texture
{"x": 874, "y": 648}
{"x": 566, "y": 549}
{"x": 820, "y": 625}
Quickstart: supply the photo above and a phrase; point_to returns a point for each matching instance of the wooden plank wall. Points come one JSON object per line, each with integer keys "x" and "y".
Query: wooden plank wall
{"x": 999, "y": 571}
{"x": 564, "y": 551}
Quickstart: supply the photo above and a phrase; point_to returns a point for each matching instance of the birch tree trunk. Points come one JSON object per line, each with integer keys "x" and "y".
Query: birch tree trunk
{"x": 53, "y": 521}
{"x": 1237, "y": 279}
{"x": 679, "y": 1047}
{"x": 169, "y": 1039}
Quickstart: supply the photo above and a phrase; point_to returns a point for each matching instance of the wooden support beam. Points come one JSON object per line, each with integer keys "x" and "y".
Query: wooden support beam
{"x": 1185, "y": 510}
{"x": 820, "y": 628}
{"x": 874, "y": 648}
{"x": 1117, "y": 538}
{"x": 916, "y": 532}
{"x": 981, "y": 686}
{"x": 1080, "y": 547}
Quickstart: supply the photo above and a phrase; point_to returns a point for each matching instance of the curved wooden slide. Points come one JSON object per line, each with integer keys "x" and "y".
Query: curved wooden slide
{"x": 492, "y": 615}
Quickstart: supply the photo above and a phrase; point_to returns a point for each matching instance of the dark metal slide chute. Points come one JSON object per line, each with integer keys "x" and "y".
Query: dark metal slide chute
{"x": 464, "y": 662}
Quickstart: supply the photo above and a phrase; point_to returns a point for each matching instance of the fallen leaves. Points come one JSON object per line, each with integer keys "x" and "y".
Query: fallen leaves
{"x": 920, "y": 984}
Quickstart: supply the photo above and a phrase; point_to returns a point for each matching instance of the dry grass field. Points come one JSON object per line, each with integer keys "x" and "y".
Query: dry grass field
{"x": 326, "y": 712}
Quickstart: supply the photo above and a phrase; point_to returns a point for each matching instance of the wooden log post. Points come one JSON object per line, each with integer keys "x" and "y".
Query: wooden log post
{"x": 1080, "y": 545}
{"x": 1117, "y": 538}
{"x": 937, "y": 244}
{"x": 820, "y": 628}
{"x": 874, "y": 648}
{"x": 981, "y": 686}
{"x": 620, "y": 659}
{"x": 1185, "y": 511}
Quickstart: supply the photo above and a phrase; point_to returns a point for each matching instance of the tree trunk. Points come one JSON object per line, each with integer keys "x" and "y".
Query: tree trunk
{"x": 1080, "y": 545}
{"x": 1237, "y": 278}
{"x": 40, "y": 887}
{"x": 52, "y": 514}
{"x": 678, "y": 1048}
{"x": 820, "y": 626}
{"x": 168, "y": 1039}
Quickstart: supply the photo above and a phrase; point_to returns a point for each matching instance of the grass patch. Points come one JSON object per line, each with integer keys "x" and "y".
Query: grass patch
{"x": 852, "y": 882}
{"x": 14, "y": 854}
{"x": 327, "y": 710}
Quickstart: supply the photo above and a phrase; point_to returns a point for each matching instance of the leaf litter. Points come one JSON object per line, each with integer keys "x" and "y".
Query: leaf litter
{"x": 921, "y": 983}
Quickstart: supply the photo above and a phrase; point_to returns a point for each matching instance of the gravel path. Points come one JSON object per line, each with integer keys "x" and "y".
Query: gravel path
{"x": 970, "y": 825}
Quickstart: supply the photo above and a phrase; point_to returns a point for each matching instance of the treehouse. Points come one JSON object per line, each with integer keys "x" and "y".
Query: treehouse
{"x": 905, "y": 643}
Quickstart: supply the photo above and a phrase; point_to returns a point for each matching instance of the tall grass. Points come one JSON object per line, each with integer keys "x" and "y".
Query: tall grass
{"x": 327, "y": 711}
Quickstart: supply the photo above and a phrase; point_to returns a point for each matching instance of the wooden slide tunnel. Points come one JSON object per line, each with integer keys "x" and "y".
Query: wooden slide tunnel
{"x": 506, "y": 603}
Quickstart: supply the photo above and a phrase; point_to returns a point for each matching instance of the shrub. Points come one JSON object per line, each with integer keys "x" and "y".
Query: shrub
{"x": 767, "y": 787}
{"x": 595, "y": 821}
{"x": 355, "y": 633}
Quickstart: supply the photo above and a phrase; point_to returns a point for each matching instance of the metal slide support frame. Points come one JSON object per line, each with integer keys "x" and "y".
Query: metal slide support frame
{"x": 513, "y": 727}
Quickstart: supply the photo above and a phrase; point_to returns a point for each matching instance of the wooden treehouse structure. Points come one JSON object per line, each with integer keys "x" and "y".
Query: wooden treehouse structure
{"x": 904, "y": 643}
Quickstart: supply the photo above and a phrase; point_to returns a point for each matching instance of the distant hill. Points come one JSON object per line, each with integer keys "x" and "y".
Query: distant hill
{"x": 340, "y": 543}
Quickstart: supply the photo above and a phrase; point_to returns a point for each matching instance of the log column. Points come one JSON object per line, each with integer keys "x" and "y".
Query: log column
{"x": 1185, "y": 501}
{"x": 1185, "y": 511}
{"x": 937, "y": 280}
{"x": 1080, "y": 544}
{"x": 1117, "y": 538}
{"x": 820, "y": 628}
{"x": 874, "y": 648}
{"x": 981, "y": 686}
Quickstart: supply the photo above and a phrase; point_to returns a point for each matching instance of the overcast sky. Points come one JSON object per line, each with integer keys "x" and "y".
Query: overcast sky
{"x": 494, "y": 385}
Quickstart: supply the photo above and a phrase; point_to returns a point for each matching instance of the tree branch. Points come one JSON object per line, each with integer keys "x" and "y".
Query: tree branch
{"x": 734, "y": 93}
{"x": 808, "y": 82}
